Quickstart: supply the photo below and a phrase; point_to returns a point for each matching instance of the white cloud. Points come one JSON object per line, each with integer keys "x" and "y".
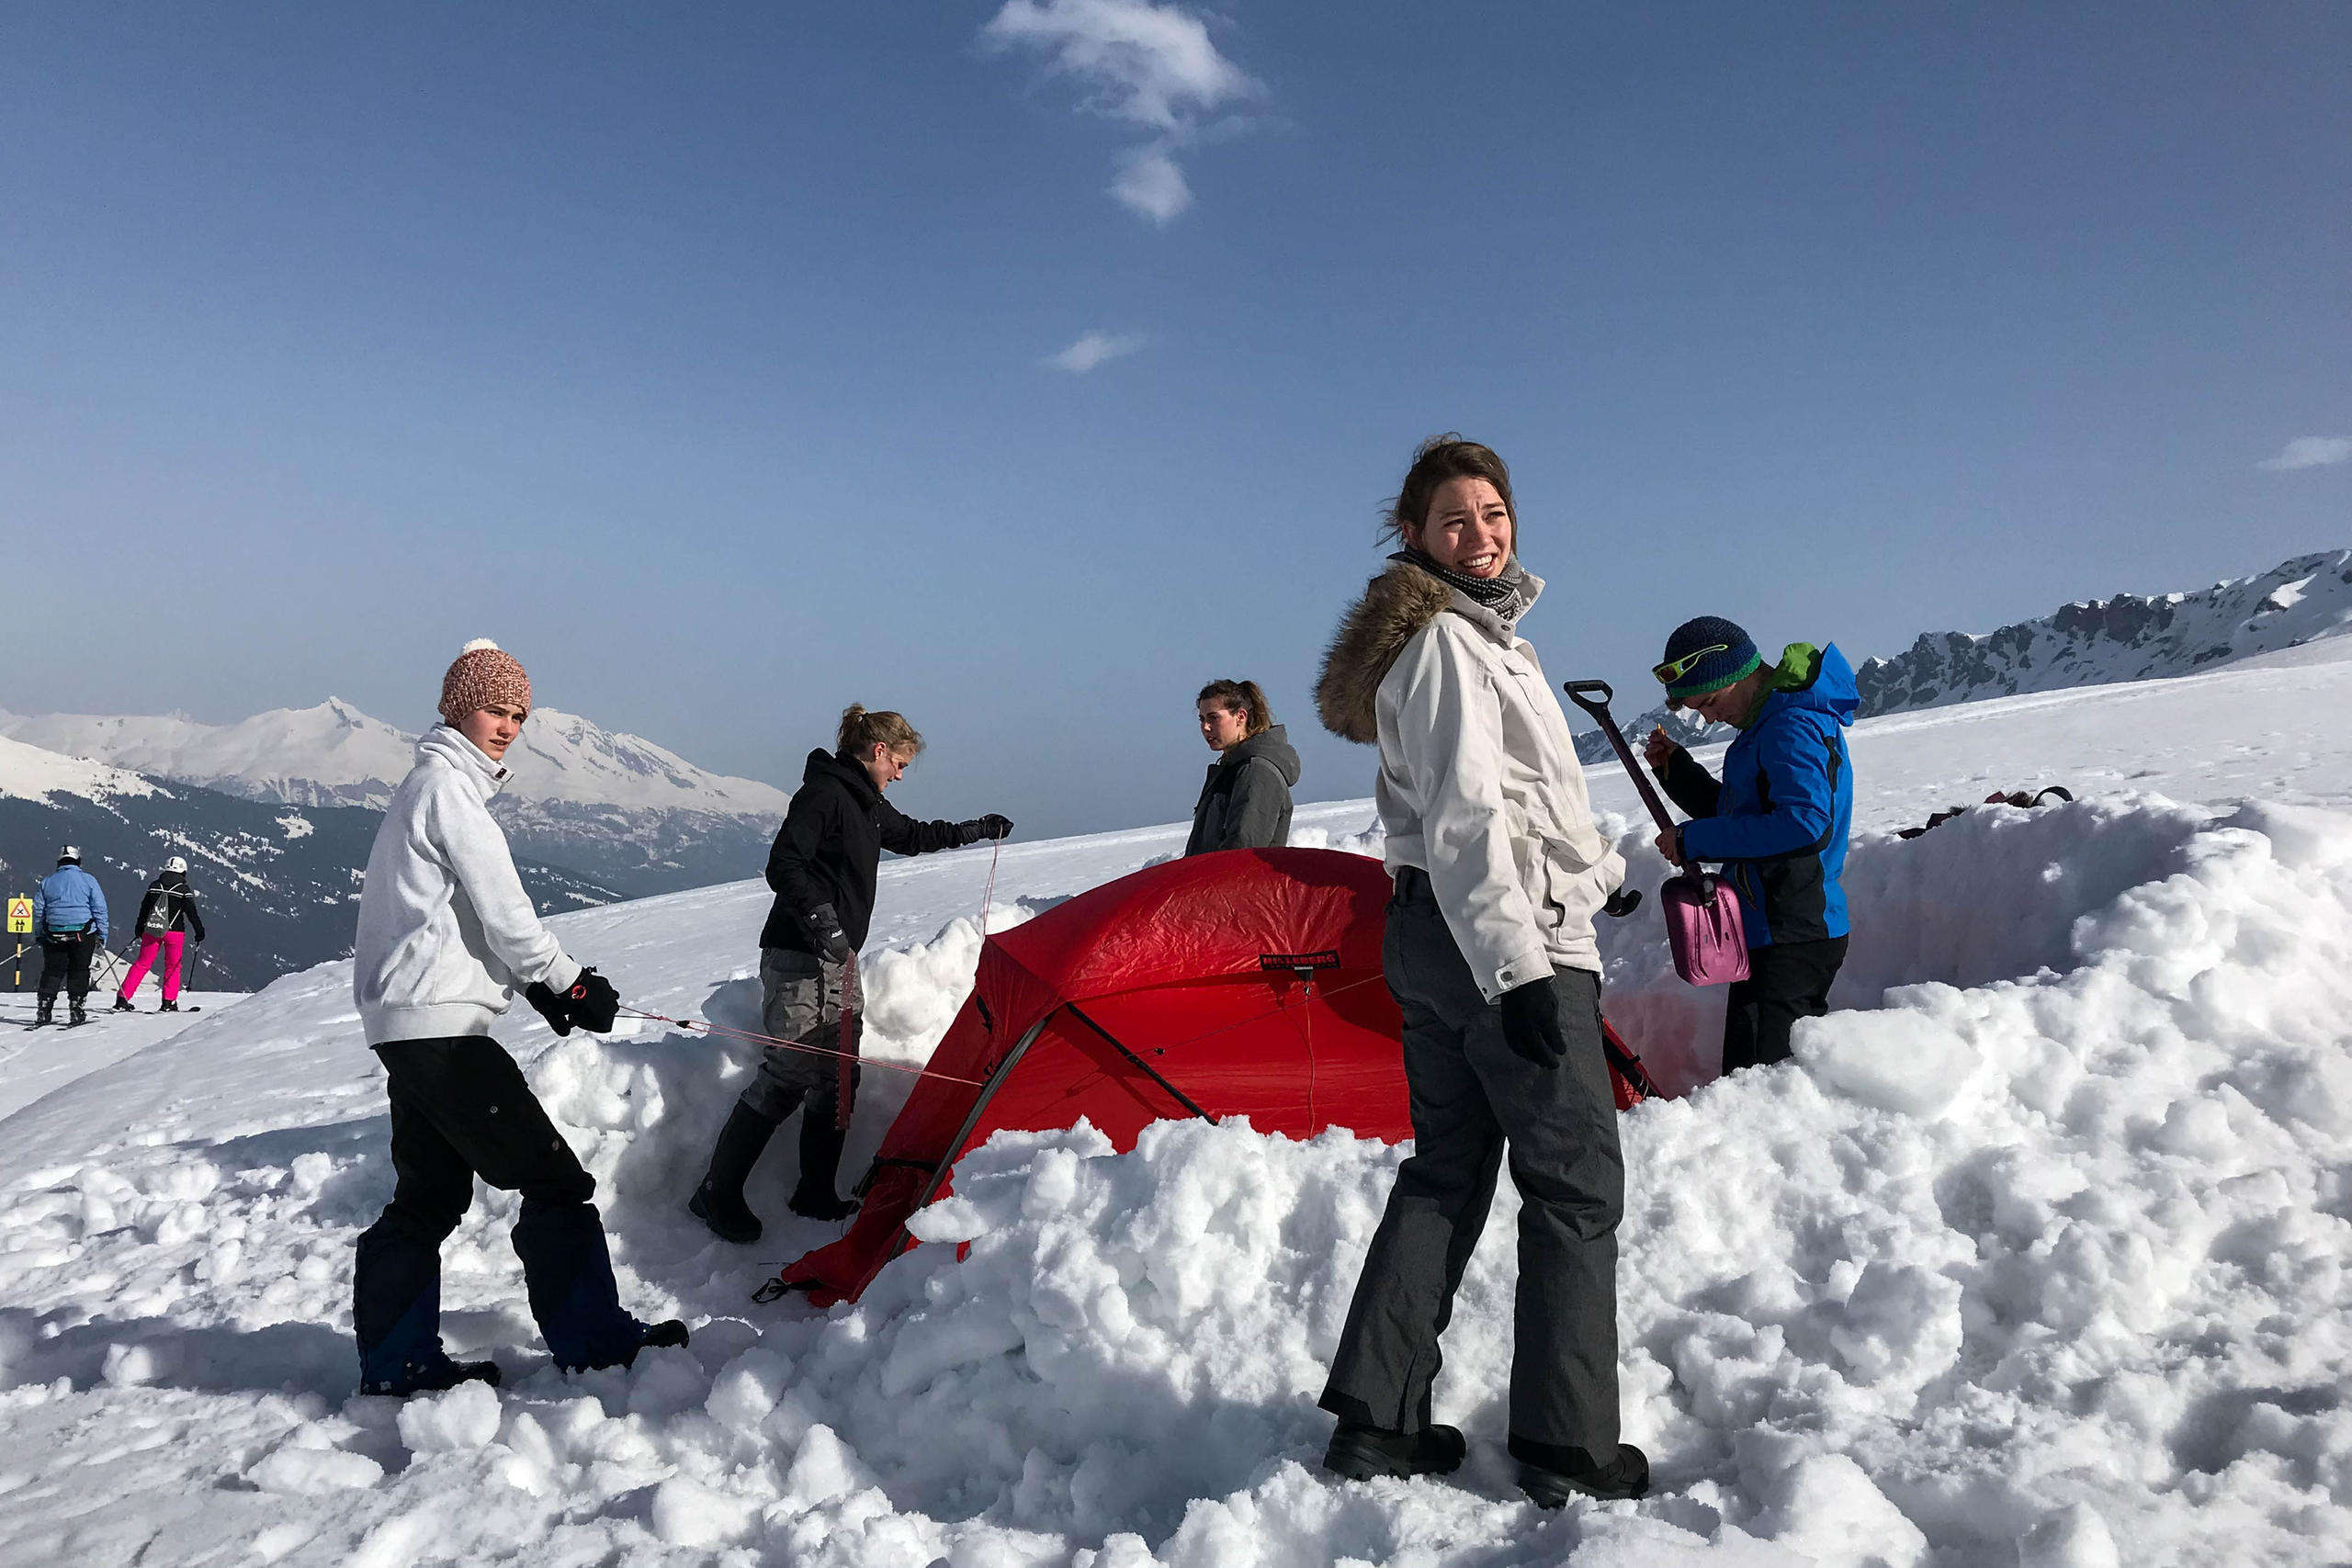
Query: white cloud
{"x": 1093, "y": 349}
{"x": 2310, "y": 452}
{"x": 1149, "y": 183}
{"x": 1152, "y": 65}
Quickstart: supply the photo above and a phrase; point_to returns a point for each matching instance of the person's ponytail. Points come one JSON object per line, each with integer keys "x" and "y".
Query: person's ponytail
{"x": 861, "y": 731}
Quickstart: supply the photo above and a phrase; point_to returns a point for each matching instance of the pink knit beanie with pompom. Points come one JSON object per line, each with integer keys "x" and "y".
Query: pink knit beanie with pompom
{"x": 483, "y": 673}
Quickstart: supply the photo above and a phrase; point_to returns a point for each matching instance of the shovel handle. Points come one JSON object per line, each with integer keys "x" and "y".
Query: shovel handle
{"x": 1600, "y": 711}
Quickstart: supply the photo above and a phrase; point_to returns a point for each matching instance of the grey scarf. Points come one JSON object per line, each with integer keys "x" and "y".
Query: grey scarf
{"x": 1505, "y": 594}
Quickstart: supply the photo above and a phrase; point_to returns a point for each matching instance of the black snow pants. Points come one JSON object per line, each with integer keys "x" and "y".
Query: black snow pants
{"x": 461, "y": 1108}
{"x": 66, "y": 966}
{"x": 1473, "y": 1099}
{"x": 1786, "y": 981}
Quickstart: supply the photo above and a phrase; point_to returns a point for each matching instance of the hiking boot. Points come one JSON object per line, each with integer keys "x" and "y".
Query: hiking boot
{"x": 670, "y": 1333}
{"x": 728, "y": 1217}
{"x": 122, "y": 1004}
{"x": 169, "y": 1007}
{"x": 433, "y": 1377}
{"x": 1551, "y": 1474}
{"x": 1362, "y": 1452}
{"x": 718, "y": 1201}
{"x": 820, "y": 1204}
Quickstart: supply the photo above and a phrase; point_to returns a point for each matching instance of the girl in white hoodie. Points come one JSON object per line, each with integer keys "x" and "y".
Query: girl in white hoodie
{"x": 446, "y": 938}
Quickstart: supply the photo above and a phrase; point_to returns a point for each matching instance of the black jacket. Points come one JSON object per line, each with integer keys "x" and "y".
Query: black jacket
{"x": 179, "y": 912}
{"x": 829, "y": 848}
{"x": 1245, "y": 802}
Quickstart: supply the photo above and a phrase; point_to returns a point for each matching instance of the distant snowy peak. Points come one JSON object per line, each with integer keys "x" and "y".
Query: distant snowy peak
{"x": 334, "y": 755}
{"x": 29, "y": 772}
{"x": 2124, "y": 639}
{"x": 562, "y": 757}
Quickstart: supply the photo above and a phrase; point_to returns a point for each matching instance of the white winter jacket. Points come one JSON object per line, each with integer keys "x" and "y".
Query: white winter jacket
{"x": 446, "y": 934}
{"x": 1479, "y": 783}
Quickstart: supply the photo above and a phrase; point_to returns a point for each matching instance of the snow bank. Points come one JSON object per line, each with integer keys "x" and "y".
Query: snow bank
{"x": 2037, "y": 1256}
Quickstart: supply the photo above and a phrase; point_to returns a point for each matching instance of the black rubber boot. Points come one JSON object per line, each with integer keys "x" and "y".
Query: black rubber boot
{"x": 1362, "y": 1452}
{"x": 718, "y": 1201}
{"x": 1550, "y": 1474}
{"x": 820, "y": 1160}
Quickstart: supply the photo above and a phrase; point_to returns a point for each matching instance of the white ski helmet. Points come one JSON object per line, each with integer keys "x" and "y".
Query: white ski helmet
{"x": 178, "y": 862}
{"x": 69, "y": 852}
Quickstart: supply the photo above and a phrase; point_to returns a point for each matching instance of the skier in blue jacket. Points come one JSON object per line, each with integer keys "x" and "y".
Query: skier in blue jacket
{"x": 69, "y": 924}
{"x": 1776, "y": 820}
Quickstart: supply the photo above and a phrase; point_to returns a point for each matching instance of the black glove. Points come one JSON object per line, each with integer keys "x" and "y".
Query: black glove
{"x": 990, "y": 827}
{"x": 1531, "y": 1023}
{"x": 826, "y": 926}
{"x": 1622, "y": 903}
{"x": 553, "y": 1007}
{"x": 593, "y": 1002}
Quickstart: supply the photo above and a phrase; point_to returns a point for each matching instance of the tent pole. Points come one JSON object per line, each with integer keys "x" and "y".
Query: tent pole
{"x": 980, "y": 1103}
{"x": 1182, "y": 1098}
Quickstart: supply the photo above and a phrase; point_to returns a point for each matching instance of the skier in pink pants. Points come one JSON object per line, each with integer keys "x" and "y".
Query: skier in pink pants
{"x": 168, "y": 918}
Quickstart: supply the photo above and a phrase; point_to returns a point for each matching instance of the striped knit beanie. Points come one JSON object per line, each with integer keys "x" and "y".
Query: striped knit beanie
{"x": 1705, "y": 655}
{"x": 483, "y": 673}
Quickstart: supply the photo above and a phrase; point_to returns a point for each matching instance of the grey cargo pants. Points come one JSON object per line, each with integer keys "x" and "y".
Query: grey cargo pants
{"x": 1473, "y": 1098}
{"x": 800, "y": 999}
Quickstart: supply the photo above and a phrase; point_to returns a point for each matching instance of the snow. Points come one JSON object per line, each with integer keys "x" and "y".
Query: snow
{"x": 34, "y": 1062}
{"x": 2037, "y": 1256}
{"x": 28, "y": 773}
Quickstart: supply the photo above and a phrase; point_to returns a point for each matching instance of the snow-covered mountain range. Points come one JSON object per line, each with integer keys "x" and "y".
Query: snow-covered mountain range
{"x": 615, "y": 807}
{"x": 278, "y": 883}
{"x": 2089, "y": 643}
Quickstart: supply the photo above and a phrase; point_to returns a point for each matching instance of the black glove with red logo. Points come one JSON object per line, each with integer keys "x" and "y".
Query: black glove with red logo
{"x": 591, "y": 1003}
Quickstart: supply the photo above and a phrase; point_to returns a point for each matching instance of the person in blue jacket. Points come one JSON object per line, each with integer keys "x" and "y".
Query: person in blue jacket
{"x": 1777, "y": 822}
{"x": 69, "y": 924}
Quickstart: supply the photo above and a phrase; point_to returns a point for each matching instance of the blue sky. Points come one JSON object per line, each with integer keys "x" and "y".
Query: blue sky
{"x": 1023, "y": 367}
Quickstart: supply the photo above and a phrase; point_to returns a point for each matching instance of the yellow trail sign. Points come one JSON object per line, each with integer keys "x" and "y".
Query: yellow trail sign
{"x": 21, "y": 916}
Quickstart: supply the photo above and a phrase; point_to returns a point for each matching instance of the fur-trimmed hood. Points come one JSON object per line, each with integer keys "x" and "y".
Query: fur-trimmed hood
{"x": 1395, "y": 607}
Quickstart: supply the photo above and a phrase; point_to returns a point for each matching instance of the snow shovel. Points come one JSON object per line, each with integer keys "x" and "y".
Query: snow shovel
{"x": 1702, "y": 923}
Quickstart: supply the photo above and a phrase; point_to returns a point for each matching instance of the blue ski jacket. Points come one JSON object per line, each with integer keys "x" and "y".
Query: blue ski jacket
{"x": 68, "y": 900}
{"x": 1779, "y": 819}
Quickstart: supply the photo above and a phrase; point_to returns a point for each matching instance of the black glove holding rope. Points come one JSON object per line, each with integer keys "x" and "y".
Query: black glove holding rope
{"x": 591, "y": 1003}
{"x": 990, "y": 827}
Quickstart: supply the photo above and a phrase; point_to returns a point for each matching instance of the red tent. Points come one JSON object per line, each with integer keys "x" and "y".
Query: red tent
{"x": 1245, "y": 983}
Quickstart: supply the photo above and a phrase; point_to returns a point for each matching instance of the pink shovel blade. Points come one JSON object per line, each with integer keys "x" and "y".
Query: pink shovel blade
{"x": 1703, "y": 928}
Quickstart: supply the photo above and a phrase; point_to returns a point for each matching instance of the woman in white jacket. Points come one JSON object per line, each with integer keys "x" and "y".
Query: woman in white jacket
{"x": 446, "y": 937}
{"x": 1490, "y": 955}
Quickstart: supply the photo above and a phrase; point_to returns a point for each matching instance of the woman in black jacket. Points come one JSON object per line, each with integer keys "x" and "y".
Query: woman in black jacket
{"x": 823, "y": 869}
{"x": 1245, "y": 804}
{"x": 168, "y": 919}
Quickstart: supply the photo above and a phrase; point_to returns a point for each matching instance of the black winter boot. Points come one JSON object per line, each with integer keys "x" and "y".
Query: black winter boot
{"x": 122, "y": 1004}
{"x": 1550, "y": 1474}
{"x": 1362, "y": 1452}
{"x": 718, "y": 1201}
{"x": 46, "y": 1013}
{"x": 169, "y": 1007}
{"x": 79, "y": 1014}
{"x": 820, "y": 1159}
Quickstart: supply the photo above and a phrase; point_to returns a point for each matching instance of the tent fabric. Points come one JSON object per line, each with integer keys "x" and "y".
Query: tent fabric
{"x": 1180, "y": 982}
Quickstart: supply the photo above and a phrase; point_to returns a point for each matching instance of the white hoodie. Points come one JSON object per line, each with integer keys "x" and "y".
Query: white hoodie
{"x": 446, "y": 934}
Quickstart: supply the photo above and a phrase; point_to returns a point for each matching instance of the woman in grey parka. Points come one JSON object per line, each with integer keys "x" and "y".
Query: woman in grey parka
{"x": 1245, "y": 804}
{"x": 1489, "y": 952}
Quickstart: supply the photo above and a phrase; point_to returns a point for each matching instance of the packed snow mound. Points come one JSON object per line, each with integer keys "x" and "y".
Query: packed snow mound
{"x": 333, "y": 754}
{"x": 2037, "y": 1255}
{"x": 2124, "y": 639}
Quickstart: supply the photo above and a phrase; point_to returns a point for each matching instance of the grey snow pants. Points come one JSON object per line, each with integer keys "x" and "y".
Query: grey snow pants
{"x": 800, "y": 999}
{"x": 1473, "y": 1099}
